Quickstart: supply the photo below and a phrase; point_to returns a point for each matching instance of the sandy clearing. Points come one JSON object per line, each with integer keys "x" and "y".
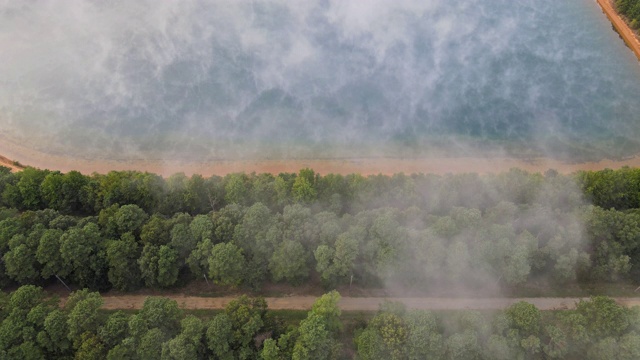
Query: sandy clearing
{"x": 135, "y": 302}
{"x": 621, "y": 26}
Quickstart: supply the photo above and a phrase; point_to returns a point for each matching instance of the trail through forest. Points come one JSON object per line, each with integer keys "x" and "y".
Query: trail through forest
{"x": 135, "y": 302}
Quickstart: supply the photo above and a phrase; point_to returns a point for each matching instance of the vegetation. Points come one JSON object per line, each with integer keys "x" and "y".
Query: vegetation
{"x": 34, "y": 326}
{"x": 631, "y": 10}
{"x": 127, "y": 230}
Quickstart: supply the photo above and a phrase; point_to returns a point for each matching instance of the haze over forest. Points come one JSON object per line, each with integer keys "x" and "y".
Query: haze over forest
{"x": 229, "y": 79}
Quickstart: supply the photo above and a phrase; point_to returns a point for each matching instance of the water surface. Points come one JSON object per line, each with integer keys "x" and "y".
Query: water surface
{"x": 200, "y": 79}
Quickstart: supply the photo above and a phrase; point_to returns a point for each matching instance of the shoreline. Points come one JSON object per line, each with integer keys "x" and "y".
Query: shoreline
{"x": 621, "y": 26}
{"x": 10, "y": 152}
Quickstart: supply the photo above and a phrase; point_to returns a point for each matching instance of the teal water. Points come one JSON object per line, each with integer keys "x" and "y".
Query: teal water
{"x": 222, "y": 78}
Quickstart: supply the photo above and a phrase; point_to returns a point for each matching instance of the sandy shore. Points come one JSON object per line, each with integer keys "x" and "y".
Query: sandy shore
{"x": 365, "y": 166}
{"x": 621, "y": 26}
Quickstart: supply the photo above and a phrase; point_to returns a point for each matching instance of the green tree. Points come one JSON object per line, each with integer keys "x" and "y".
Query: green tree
{"x": 524, "y": 317}
{"x": 604, "y": 318}
{"x": 182, "y": 240}
{"x": 83, "y": 252}
{"x": 122, "y": 255}
{"x": 317, "y": 333}
{"x": 303, "y": 190}
{"x": 159, "y": 265}
{"x": 226, "y": 264}
{"x": 155, "y": 231}
{"x": 201, "y": 227}
{"x": 289, "y": 262}
{"x": 83, "y": 307}
{"x": 54, "y": 337}
{"x": 161, "y": 313}
{"x": 188, "y": 344}
{"x": 220, "y": 336}
{"x": 64, "y": 192}
{"x": 237, "y": 189}
{"x": 114, "y": 330}
{"x": 20, "y": 261}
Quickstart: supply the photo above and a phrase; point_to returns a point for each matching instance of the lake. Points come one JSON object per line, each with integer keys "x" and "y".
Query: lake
{"x": 223, "y": 79}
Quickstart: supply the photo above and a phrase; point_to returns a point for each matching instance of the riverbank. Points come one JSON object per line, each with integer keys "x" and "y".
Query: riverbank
{"x": 365, "y": 166}
{"x": 621, "y": 26}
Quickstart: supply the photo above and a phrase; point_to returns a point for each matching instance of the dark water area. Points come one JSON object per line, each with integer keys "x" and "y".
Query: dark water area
{"x": 224, "y": 79}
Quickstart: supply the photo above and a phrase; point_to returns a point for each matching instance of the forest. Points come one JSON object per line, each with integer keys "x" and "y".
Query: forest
{"x": 431, "y": 234}
{"x": 34, "y": 326}
{"x": 130, "y": 230}
{"x": 631, "y": 10}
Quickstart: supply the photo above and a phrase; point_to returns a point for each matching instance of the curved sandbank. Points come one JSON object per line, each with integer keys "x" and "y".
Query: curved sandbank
{"x": 621, "y": 26}
{"x": 365, "y": 166}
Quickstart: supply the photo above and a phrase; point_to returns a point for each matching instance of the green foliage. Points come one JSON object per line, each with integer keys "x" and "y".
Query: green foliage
{"x": 631, "y": 10}
{"x": 32, "y": 326}
{"x": 122, "y": 255}
{"x": 289, "y": 262}
{"x": 226, "y": 264}
{"x": 504, "y": 230}
{"x": 303, "y": 189}
{"x": 524, "y": 317}
{"x": 317, "y": 333}
{"x": 603, "y": 317}
{"x": 159, "y": 266}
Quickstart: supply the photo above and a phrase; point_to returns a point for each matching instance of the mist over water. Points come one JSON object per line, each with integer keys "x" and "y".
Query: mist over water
{"x": 223, "y": 79}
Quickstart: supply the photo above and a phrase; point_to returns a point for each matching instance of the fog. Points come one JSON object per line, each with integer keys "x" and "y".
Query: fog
{"x": 228, "y": 79}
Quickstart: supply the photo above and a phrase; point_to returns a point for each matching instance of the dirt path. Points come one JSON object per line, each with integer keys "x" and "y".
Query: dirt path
{"x": 133, "y": 302}
{"x": 621, "y": 26}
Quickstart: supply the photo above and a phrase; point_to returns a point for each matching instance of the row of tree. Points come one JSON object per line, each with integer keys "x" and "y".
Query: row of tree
{"x": 76, "y": 194}
{"x": 126, "y": 249}
{"x": 452, "y": 230}
{"x": 598, "y": 329}
{"x": 34, "y": 326}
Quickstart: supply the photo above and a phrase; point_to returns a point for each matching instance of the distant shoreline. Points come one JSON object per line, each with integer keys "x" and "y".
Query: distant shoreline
{"x": 10, "y": 152}
{"x": 627, "y": 34}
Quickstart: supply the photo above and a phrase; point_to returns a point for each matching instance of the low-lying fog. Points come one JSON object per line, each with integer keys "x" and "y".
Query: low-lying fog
{"x": 226, "y": 79}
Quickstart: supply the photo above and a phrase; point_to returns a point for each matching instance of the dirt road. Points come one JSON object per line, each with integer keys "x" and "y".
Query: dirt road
{"x": 621, "y": 26}
{"x": 134, "y": 302}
